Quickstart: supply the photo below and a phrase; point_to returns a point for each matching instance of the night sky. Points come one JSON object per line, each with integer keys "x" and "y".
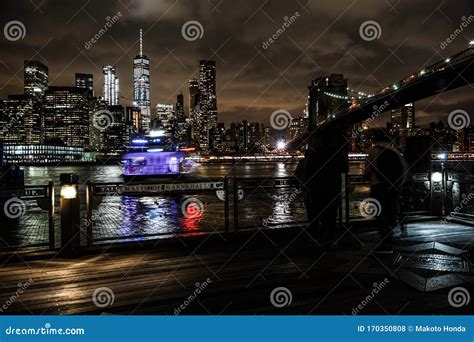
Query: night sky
{"x": 252, "y": 82}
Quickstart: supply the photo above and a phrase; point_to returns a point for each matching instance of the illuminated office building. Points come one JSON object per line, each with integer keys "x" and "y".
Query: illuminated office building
{"x": 20, "y": 120}
{"x": 111, "y": 85}
{"x": 164, "y": 116}
{"x": 67, "y": 116}
{"x": 193, "y": 95}
{"x": 141, "y": 86}
{"x": 207, "y": 117}
{"x": 133, "y": 118}
{"x": 85, "y": 81}
{"x": 36, "y": 76}
{"x": 403, "y": 117}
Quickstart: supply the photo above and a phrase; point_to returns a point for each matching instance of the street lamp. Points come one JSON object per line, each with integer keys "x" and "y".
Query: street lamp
{"x": 68, "y": 191}
{"x": 436, "y": 177}
{"x": 70, "y": 214}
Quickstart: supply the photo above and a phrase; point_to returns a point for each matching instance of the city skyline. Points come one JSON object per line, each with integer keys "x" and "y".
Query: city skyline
{"x": 253, "y": 80}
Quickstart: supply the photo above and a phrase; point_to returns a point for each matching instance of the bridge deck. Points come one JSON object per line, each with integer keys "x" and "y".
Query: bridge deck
{"x": 244, "y": 271}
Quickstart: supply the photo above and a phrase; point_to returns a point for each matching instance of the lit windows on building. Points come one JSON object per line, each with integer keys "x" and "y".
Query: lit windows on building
{"x": 85, "y": 81}
{"x": 36, "y": 77}
{"x": 22, "y": 153}
{"x": 67, "y": 116}
{"x": 111, "y": 85}
{"x": 403, "y": 117}
{"x": 20, "y": 119}
{"x": 164, "y": 116}
{"x": 141, "y": 86}
{"x": 207, "y": 116}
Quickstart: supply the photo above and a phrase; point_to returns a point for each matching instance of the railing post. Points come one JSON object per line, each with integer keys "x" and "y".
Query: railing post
{"x": 226, "y": 205}
{"x": 235, "y": 190}
{"x": 89, "y": 221}
{"x": 70, "y": 215}
{"x": 51, "y": 230}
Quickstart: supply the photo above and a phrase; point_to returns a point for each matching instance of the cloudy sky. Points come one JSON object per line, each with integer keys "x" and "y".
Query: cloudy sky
{"x": 322, "y": 38}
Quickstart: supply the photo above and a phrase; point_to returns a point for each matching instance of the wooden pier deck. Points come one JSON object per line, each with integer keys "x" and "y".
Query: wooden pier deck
{"x": 243, "y": 269}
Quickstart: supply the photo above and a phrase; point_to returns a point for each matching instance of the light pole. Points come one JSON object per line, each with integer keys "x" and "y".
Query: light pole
{"x": 70, "y": 214}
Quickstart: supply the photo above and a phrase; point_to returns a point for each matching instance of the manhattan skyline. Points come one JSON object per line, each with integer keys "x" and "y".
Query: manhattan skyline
{"x": 254, "y": 79}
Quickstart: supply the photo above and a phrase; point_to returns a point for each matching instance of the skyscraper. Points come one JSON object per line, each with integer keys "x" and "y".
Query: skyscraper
{"x": 66, "y": 116}
{"x": 141, "y": 85}
{"x": 180, "y": 114}
{"x": 193, "y": 95}
{"x": 207, "y": 100}
{"x": 111, "y": 85}
{"x": 403, "y": 117}
{"x": 36, "y": 76}
{"x": 133, "y": 118}
{"x": 164, "y": 116}
{"x": 85, "y": 81}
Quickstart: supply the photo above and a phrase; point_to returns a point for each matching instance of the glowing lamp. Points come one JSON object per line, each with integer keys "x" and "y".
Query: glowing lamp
{"x": 436, "y": 177}
{"x": 68, "y": 191}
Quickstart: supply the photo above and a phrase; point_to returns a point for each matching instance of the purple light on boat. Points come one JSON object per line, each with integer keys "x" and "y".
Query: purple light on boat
{"x": 152, "y": 163}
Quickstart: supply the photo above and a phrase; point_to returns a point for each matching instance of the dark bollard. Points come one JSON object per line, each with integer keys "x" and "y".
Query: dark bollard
{"x": 70, "y": 215}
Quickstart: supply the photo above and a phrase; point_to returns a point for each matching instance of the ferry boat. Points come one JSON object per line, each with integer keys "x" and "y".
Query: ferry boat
{"x": 153, "y": 155}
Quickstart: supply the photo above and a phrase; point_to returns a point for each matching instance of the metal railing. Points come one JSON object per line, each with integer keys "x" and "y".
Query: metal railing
{"x": 190, "y": 201}
{"x": 19, "y": 217}
{"x": 119, "y": 212}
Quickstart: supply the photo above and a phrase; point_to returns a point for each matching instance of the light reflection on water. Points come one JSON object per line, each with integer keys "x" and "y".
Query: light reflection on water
{"x": 126, "y": 216}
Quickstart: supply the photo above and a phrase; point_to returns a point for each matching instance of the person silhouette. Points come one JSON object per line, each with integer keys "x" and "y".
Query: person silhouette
{"x": 386, "y": 170}
{"x": 326, "y": 161}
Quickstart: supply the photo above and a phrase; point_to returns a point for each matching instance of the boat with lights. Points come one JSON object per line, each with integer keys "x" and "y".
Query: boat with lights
{"x": 153, "y": 155}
